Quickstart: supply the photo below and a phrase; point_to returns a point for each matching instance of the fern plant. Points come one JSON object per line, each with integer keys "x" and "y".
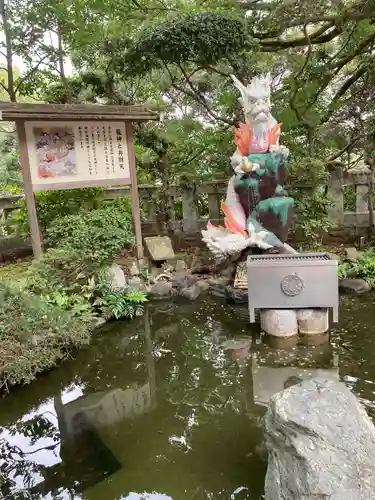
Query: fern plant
{"x": 122, "y": 304}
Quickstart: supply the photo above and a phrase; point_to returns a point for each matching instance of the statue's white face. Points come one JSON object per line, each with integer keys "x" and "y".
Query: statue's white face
{"x": 258, "y": 110}
{"x": 256, "y": 98}
{"x": 257, "y": 103}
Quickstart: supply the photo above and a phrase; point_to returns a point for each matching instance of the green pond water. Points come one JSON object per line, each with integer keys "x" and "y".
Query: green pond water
{"x": 169, "y": 406}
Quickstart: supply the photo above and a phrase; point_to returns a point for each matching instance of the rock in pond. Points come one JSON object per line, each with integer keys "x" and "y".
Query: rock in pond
{"x": 352, "y": 253}
{"x": 321, "y": 444}
{"x": 192, "y": 292}
{"x": 221, "y": 281}
{"x": 117, "y": 278}
{"x": 180, "y": 266}
{"x": 161, "y": 290}
{"x": 183, "y": 279}
{"x": 201, "y": 262}
{"x": 204, "y": 286}
{"x": 136, "y": 284}
{"x": 218, "y": 290}
{"x": 229, "y": 271}
{"x": 353, "y": 286}
{"x": 237, "y": 295}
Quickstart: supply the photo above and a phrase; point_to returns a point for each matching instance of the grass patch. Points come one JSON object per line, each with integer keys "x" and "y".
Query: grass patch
{"x": 15, "y": 272}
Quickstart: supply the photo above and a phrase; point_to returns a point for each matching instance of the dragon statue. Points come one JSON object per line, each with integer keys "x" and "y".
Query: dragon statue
{"x": 258, "y": 211}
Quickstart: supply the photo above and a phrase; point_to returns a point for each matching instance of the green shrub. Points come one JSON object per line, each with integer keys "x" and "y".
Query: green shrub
{"x": 97, "y": 235}
{"x": 62, "y": 279}
{"x": 60, "y": 269}
{"x": 52, "y": 205}
{"x": 343, "y": 269}
{"x": 311, "y": 219}
{"x": 363, "y": 267}
{"x": 34, "y": 335}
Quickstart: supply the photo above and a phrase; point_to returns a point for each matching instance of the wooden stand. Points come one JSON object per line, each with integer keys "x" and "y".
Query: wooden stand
{"x": 36, "y": 240}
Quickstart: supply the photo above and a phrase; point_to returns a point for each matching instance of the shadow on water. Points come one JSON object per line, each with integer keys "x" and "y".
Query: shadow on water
{"x": 170, "y": 406}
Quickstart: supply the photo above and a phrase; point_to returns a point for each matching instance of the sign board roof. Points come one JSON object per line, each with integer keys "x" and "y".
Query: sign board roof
{"x": 10, "y": 111}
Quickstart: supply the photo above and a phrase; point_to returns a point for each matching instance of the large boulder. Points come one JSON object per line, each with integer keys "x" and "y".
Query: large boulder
{"x": 117, "y": 278}
{"x": 353, "y": 286}
{"x": 321, "y": 444}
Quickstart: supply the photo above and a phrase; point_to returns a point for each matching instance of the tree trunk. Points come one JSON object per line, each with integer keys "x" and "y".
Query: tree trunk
{"x": 166, "y": 197}
{"x": 370, "y": 203}
{"x": 8, "y": 51}
{"x": 60, "y": 62}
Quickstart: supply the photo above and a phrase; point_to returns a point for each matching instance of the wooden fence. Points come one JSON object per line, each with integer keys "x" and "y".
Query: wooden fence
{"x": 194, "y": 205}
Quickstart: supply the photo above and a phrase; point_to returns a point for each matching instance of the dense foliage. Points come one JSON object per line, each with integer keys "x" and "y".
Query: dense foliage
{"x": 52, "y": 205}
{"x": 68, "y": 289}
{"x": 203, "y": 38}
{"x": 34, "y": 335}
{"x": 81, "y": 286}
{"x": 95, "y": 235}
{"x": 74, "y": 273}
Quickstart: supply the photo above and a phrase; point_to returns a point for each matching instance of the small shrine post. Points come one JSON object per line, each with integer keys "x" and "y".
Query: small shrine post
{"x": 69, "y": 146}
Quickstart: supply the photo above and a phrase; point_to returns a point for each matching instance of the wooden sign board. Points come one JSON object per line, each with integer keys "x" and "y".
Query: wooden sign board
{"x": 67, "y": 146}
{"x": 71, "y": 154}
{"x": 76, "y": 154}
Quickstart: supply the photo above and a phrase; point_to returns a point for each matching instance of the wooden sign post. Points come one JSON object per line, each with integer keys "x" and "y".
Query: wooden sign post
{"x": 76, "y": 146}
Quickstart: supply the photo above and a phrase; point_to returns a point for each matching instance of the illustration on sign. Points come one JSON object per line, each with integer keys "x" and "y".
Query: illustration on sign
{"x": 55, "y": 150}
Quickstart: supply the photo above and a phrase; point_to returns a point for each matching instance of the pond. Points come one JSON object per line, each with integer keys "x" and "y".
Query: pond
{"x": 169, "y": 406}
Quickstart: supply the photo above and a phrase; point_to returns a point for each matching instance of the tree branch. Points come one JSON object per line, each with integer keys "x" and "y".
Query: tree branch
{"x": 194, "y": 94}
{"x": 215, "y": 70}
{"x": 4, "y": 87}
{"x": 349, "y": 82}
{"x": 349, "y": 146}
{"x": 343, "y": 46}
{"x": 192, "y": 158}
{"x": 345, "y": 60}
{"x": 30, "y": 73}
{"x": 9, "y": 51}
{"x": 316, "y": 38}
{"x": 202, "y": 100}
{"x": 276, "y": 33}
{"x": 292, "y": 101}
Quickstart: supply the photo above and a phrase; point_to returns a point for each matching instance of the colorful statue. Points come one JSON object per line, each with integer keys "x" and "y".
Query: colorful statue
{"x": 257, "y": 209}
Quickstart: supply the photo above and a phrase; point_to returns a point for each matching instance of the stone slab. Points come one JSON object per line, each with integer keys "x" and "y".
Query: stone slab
{"x": 159, "y": 248}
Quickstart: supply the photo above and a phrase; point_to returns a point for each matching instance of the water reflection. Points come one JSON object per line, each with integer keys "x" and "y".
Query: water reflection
{"x": 146, "y": 496}
{"x": 168, "y": 407}
{"x": 293, "y": 365}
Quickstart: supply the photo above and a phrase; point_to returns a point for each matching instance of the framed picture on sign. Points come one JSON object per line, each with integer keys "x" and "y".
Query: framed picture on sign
{"x": 66, "y": 155}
